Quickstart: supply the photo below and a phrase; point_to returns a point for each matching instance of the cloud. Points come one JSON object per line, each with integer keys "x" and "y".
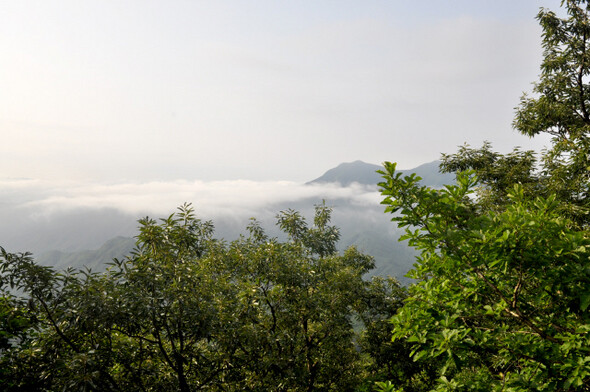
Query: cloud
{"x": 157, "y": 196}
{"x": 40, "y": 215}
{"x": 232, "y": 197}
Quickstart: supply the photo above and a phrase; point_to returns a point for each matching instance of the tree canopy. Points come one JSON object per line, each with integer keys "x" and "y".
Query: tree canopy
{"x": 503, "y": 277}
{"x": 189, "y": 312}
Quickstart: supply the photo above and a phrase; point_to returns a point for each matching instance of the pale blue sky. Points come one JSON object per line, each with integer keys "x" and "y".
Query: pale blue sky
{"x": 115, "y": 91}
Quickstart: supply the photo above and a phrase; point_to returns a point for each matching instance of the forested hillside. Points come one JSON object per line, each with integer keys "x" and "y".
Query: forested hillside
{"x": 500, "y": 299}
{"x": 96, "y": 260}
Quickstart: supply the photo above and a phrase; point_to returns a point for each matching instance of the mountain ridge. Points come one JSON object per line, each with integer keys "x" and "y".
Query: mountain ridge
{"x": 364, "y": 173}
{"x": 365, "y": 227}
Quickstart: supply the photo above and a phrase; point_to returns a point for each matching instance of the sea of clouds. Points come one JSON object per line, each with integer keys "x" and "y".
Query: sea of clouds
{"x": 39, "y": 215}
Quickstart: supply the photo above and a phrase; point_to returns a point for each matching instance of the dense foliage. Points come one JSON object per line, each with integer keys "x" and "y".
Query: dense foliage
{"x": 502, "y": 296}
{"x": 503, "y": 278}
{"x": 187, "y": 312}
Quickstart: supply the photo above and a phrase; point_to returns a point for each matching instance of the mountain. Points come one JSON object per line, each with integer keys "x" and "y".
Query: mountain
{"x": 96, "y": 260}
{"x": 431, "y": 175}
{"x": 350, "y": 172}
{"x": 363, "y": 225}
{"x": 366, "y": 174}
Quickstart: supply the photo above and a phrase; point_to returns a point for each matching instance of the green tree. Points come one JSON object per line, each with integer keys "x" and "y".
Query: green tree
{"x": 165, "y": 300}
{"x": 390, "y": 360}
{"x": 188, "y": 312}
{"x": 503, "y": 289}
{"x": 16, "y": 333}
{"x": 560, "y": 106}
{"x": 303, "y": 295}
{"x": 148, "y": 323}
{"x": 502, "y": 297}
{"x": 64, "y": 343}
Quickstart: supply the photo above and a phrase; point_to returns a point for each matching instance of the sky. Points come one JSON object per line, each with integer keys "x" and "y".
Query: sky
{"x": 113, "y": 110}
{"x": 137, "y": 91}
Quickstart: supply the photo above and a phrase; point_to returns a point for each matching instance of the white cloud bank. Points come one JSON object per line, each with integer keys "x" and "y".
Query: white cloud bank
{"x": 211, "y": 198}
{"x": 38, "y": 215}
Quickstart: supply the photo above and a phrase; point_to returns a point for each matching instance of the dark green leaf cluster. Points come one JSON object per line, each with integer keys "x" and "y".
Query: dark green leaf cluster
{"x": 188, "y": 312}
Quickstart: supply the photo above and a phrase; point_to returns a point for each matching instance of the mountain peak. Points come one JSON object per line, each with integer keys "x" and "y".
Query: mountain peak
{"x": 366, "y": 173}
{"x": 348, "y": 172}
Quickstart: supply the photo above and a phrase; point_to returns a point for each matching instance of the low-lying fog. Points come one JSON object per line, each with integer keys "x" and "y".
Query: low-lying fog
{"x": 38, "y": 216}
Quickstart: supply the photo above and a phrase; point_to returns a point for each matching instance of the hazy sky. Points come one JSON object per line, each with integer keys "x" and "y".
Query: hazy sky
{"x": 132, "y": 91}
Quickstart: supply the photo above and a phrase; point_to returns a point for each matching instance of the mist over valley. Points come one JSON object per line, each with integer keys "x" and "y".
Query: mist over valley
{"x": 75, "y": 224}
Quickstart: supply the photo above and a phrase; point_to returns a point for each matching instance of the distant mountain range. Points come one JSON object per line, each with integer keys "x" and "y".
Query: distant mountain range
{"x": 95, "y": 260}
{"x": 364, "y": 226}
{"x": 366, "y": 173}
